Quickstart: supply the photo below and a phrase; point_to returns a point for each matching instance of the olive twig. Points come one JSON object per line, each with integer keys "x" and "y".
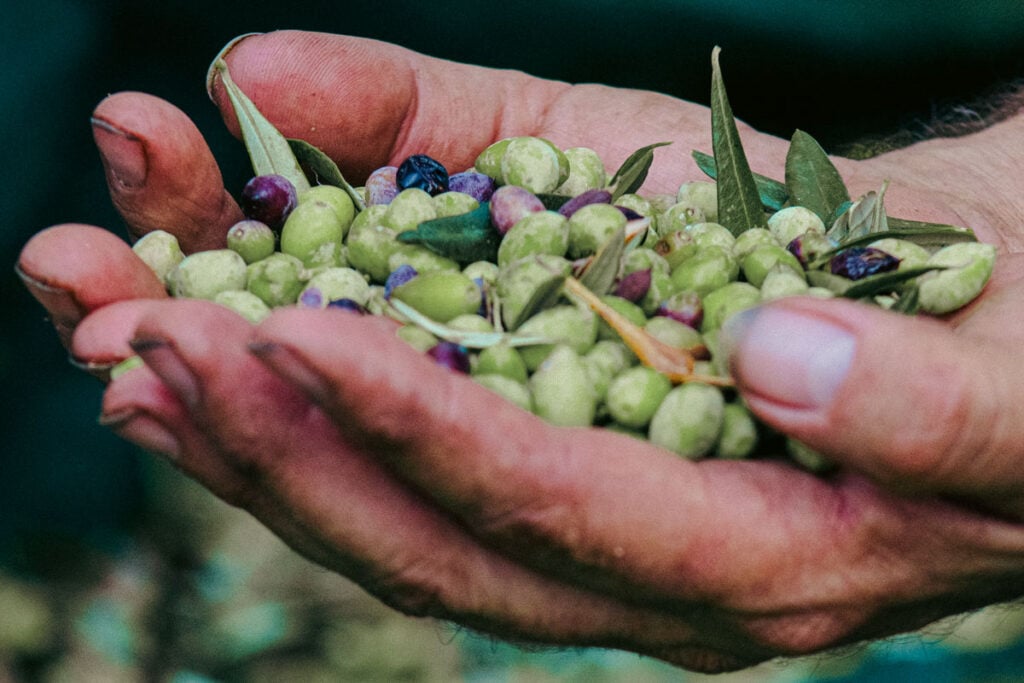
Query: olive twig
{"x": 675, "y": 363}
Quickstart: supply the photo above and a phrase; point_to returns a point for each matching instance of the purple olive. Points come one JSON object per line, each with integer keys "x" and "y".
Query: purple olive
{"x": 859, "y": 262}
{"x": 381, "y": 186}
{"x": 399, "y": 276}
{"x": 450, "y": 355}
{"x": 809, "y": 246}
{"x": 583, "y": 199}
{"x": 510, "y": 203}
{"x": 629, "y": 213}
{"x": 268, "y": 199}
{"x": 477, "y": 185}
{"x": 347, "y": 305}
{"x": 424, "y": 173}
{"x": 311, "y": 297}
{"x": 685, "y": 307}
{"x": 634, "y": 286}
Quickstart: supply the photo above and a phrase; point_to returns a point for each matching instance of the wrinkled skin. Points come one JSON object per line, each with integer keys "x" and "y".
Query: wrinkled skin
{"x": 455, "y": 504}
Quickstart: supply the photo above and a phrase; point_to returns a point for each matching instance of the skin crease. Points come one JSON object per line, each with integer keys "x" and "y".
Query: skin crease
{"x": 454, "y": 504}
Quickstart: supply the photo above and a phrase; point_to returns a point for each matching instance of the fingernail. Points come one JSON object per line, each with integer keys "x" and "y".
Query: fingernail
{"x": 61, "y": 305}
{"x": 211, "y": 73}
{"x": 144, "y": 431}
{"x": 285, "y": 363}
{"x": 162, "y": 358}
{"x": 787, "y": 357}
{"x": 101, "y": 370}
{"x": 122, "y": 153}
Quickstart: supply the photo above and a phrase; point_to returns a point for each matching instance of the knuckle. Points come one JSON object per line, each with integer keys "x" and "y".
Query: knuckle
{"x": 553, "y": 522}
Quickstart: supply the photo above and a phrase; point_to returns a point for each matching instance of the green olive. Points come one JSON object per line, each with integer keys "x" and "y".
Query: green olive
{"x": 689, "y": 420}
{"x": 440, "y": 295}
{"x": 561, "y": 388}
{"x": 313, "y": 233}
{"x": 205, "y": 274}
{"x": 635, "y": 394}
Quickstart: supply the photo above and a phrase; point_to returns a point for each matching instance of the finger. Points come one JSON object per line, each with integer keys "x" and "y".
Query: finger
{"x": 160, "y": 172}
{"x": 102, "y": 339}
{"x": 367, "y": 103}
{"x": 904, "y": 399}
{"x": 622, "y": 516}
{"x": 278, "y": 456}
{"x": 74, "y": 269}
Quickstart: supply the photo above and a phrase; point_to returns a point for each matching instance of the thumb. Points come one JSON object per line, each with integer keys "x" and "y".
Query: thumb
{"x": 909, "y": 401}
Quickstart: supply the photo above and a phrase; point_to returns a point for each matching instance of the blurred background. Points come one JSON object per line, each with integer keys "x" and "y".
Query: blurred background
{"x": 113, "y": 567}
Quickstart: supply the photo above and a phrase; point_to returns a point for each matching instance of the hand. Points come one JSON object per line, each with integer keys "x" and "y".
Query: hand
{"x": 454, "y": 504}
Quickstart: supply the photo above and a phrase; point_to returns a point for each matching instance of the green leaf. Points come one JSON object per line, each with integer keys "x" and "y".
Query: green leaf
{"x": 545, "y": 296}
{"x": 928, "y": 234}
{"x": 885, "y": 282}
{"x": 464, "y": 238}
{"x": 323, "y": 168}
{"x": 471, "y": 340}
{"x": 602, "y": 271}
{"x": 774, "y": 194}
{"x": 633, "y": 171}
{"x": 924, "y": 234}
{"x": 882, "y": 283}
{"x": 268, "y": 150}
{"x": 833, "y": 283}
{"x": 909, "y": 301}
{"x": 552, "y": 202}
{"x": 811, "y": 178}
{"x": 739, "y": 205}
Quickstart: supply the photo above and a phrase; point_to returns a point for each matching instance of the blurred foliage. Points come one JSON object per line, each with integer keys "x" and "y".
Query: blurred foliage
{"x": 203, "y": 593}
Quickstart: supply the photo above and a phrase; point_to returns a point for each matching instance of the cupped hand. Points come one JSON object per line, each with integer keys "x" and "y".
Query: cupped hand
{"x": 452, "y": 503}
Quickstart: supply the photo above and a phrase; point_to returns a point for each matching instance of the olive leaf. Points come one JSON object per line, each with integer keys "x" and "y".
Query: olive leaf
{"x": 882, "y": 283}
{"x": 739, "y": 205}
{"x": 637, "y": 232}
{"x": 464, "y": 238}
{"x": 923, "y": 234}
{"x": 313, "y": 160}
{"x": 633, "y": 171}
{"x": 885, "y": 282}
{"x": 471, "y": 340}
{"x": 603, "y": 269}
{"x": 545, "y": 296}
{"x": 909, "y": 301}
{"x": 269, "y": 151}
{"x": 773, "y": 194}
{"x": 928, "y": 234}
{"x": 865, "y": 216}
{"x": 812, "y": 179}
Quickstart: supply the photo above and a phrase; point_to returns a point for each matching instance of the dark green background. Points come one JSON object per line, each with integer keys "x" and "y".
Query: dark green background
{"x": 840, "y": 70}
